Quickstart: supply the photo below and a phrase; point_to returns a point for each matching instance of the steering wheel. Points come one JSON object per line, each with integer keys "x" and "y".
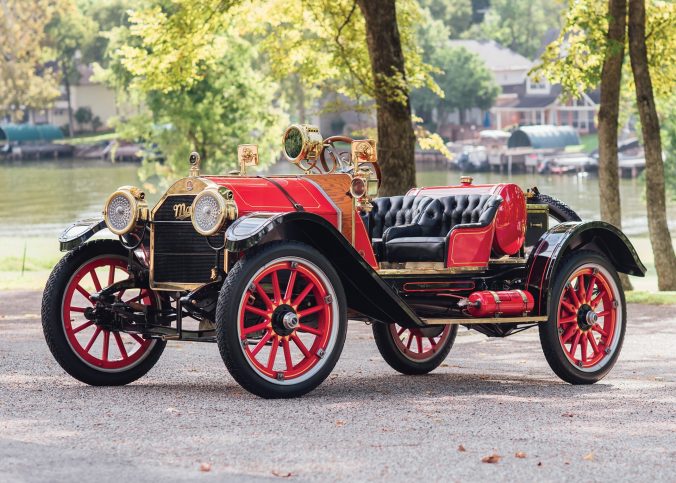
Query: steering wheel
{"x": 343, "y": 159}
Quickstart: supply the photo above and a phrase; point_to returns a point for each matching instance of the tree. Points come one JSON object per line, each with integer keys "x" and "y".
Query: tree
{"x": 393, "y": 109}
{"x": 457, "y": 15}
{"x": 25, "y": 81}
{"x": 83, "y": 116}
{"x": 660, "y": 238}
{"x": 518, "y": 24}
{"x": 67, "y": 32}
{"x": 464, "y": 80}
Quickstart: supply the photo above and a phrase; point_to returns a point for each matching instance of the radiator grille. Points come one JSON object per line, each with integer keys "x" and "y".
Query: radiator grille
{"x": 180, "y": 254}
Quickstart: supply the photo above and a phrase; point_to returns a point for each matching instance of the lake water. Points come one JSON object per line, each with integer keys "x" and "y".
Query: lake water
{"x": 40, "y": 198}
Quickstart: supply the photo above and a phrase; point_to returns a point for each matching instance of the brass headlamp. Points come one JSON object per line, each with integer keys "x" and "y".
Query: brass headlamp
{"x": 124, "y": 209}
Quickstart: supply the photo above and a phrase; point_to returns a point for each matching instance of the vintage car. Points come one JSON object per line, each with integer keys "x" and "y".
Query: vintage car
{"x": 272, "y": 267}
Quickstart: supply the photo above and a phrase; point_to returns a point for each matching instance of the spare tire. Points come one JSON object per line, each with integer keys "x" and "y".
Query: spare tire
{"x": 558, "y": 210}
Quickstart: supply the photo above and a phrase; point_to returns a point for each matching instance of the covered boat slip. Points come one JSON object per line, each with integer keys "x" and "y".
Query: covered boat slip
{"x": 31, "y": 141}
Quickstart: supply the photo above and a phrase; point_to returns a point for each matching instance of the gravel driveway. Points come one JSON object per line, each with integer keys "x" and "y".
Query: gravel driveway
{"x": 187, "y": 419}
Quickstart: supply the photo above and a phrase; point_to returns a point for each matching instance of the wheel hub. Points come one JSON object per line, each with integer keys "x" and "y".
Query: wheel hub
{"x": 586, "y": 317}
{"x": 285, "y": 320}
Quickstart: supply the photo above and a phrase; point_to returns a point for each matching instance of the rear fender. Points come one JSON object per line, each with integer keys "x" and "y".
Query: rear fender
{"x": 549, "y": 251}
{"x": 366, "y": 291}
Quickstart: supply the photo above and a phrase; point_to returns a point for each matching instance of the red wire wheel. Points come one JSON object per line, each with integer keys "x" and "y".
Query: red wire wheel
{"x": 105, "y": 350}
{"x": 92, "y": 352}
{"x": 417, "y": 346}
{"x": 587, "y": 318}
{"x": 285, "y": 320}
{"x": 281, "y": 320}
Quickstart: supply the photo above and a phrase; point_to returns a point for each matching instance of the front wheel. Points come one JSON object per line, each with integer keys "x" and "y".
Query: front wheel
{"x": 87, "y": 350}
{"x": 584, "y": 334}
{"x": 281, "y": 320}
{"x": 414, "y": 351}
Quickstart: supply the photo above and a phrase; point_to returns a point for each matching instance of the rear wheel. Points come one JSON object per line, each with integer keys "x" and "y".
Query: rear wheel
{"x": 583, "y": 337}
{"x": 414, "y": 351}
{"x": 281, "y": 320}
{"x": 87, "y": 351}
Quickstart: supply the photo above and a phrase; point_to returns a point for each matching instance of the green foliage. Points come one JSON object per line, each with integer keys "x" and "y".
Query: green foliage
{"x": 83, "y": 115}
{"x": 667, "y": 110}
{"x": 456, "y": 15}
{"x": 519, "y": 24}
{"x": 464, "y": 79}
{"x": 24, "y": 81}
{"x": 575, "y": 59}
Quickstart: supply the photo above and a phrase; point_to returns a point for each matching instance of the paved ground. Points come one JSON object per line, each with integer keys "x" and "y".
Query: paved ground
{"x": 365, "y": 423}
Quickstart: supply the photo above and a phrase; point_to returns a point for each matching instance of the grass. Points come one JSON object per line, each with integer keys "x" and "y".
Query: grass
{"x": 590, "y": 142}
{"x": 651, "y": 298}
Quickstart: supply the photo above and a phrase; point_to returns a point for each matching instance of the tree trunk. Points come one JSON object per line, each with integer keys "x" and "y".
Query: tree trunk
{"x": 396, "y": 139}
{"x": 611, "y": 81}
{"x": 660, "y": 238}
{"x": 66, "y": 84}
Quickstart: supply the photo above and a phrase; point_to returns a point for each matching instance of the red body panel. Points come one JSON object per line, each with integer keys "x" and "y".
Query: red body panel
{"x": 258, "y": 194}
{"x": 470, "y": 247}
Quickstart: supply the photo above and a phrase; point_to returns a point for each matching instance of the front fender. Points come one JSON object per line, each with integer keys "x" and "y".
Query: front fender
{"x": 366, "y": 291}
{"x": 552, "y": 247}
{"x": 79, "y": 232}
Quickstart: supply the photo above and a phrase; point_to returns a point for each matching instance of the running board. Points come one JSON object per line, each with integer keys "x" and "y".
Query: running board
{"x": 487, "y": 320}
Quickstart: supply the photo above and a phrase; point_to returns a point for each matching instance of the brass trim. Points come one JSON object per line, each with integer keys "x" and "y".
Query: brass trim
{"x": 384, "y": 272}
{"x": 486, "y": 320}
{"x": 139, "y": 208}
{"x": 536, "y": 208}
{"x": 507, "y": 261}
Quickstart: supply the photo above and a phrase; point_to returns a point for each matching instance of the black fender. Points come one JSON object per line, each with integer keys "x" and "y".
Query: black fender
{"x": 366, "y": 291}
{"x": 79, "y": 232}
{"x": 551, "y": 248}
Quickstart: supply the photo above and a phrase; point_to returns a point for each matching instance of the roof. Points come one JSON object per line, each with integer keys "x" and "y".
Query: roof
{"x": 524, "y": 100}
{"x": 543, "y": 137}
{"x": 495, "y": 55}
{"x": 29, "y": 132}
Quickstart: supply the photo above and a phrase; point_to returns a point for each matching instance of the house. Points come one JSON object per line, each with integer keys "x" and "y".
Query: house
{"x": 524, "y": 100}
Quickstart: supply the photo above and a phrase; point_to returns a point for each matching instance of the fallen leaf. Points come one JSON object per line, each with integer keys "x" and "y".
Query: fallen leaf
{"x": 567, "y": 415}
{"x": 174, "y": 411}
{"x": 589, "y": 457}
{"x": 340, "y": 423}
{"x": 461, "y": 448}
{"x": 539, "y": 463}
{"x": 205, "y": 467}
{"x": 281, "y": 474}
{"x": 520, "y": 454}
{"x": 494, "y": 458}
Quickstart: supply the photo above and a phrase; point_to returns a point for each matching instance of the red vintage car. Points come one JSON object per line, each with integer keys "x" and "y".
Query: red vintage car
{"x": 271, "y": 268}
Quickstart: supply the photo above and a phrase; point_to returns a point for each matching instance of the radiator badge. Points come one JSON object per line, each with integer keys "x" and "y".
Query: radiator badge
{"x": 181, "y": 211}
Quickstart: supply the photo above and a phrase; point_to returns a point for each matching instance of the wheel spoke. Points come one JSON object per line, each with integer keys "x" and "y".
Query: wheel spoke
{"x": 309, "y": 330}
{"x": 120, "y": 345}
{"x": 289, "y": 286}
{"x": 590, "y": 288}
{"x": 273, "y": 354}
{"x": 581, "y": 292}
{"x": 311, "y": 310}
{"x": 600, "y": 330}
{"x": 567, "y": 320}
{"x": 432, "y": 341}
{"x": 303, "y": 294}
{"x": 401, "y": 331}
{"x": 141, "y": 295}
{"x": 410, "y": 340}
{"x": 568, "y": 333}
{"x": 77, "y": 309}
{"x": 255, "y": 328}
{"x": 84, "y": 293}
{"x": 95, "y": 279}
{"x": 597, "y": 300}
{"x": 106, "y": 344}
{"x": 138, "y": 338}
{"x": 111, "y": 275}
{"x": 568, "y": 306}
{"x": 257, "y": 311}
{"x": 593, "y": 343}
{"x": 573, "y": 295}
{"x": 583, "y": 345}
{"x": 89, "y": 323}
{"x": 573, "y": 347}
{"x": 287, "y": 354}
{"x": 262, "y": 343}
{"x": 300, "y": 345}
{"x": 93, "y": 339}
{"x": 418, "y": 340}
{"x": 263, "y": 295}
{"x": 275, "y": 288}
{"x": 604, "y": 313}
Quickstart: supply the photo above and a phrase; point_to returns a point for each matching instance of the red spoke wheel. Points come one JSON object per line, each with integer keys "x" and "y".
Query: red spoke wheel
{"x": 414, "y": 351}
{"x": 281, "y": 320}
{"x": 584, "y": 334}
{"x": 89, "y": 351}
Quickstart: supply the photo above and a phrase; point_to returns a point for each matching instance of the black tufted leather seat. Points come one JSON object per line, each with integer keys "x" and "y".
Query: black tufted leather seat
{"x": 426, "y": 239}
{"x": 393, "y": 211}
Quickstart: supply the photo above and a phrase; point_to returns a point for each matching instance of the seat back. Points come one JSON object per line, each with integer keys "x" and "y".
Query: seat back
{"x": 395, "y": 211}
{"x": 442, "y": 214}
